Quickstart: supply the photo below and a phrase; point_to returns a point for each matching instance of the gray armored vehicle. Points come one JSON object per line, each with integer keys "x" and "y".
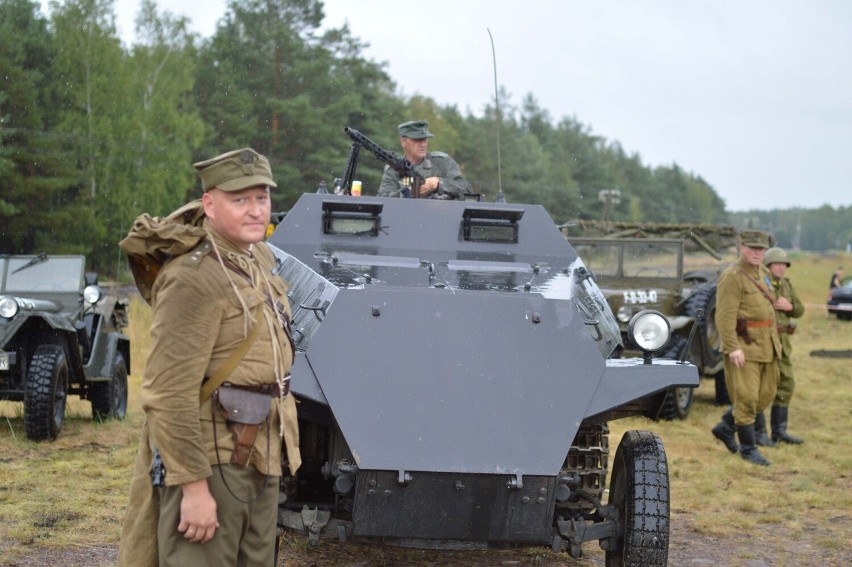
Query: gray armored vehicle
{"x": 456, "y": 370}
{"x": 669, "y": 268}
{"x": 60, "y": 335}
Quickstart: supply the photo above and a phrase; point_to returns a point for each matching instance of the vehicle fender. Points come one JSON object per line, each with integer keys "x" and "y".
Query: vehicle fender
{"x": 627, "y": 379}
{"x": 101, "y": 363}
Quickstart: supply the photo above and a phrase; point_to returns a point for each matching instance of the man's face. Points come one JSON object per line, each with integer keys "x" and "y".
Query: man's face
{"x": 239, "y": 216}
{"x": 778, "y": 269}
{"x": 753, "y": 256}
{"x": 415, "y": 150}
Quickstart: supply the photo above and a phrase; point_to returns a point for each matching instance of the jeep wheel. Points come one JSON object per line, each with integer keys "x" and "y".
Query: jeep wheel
{"x": 46, "y": 393}
{"x": 109, "y": 399}
{"x": 640, "y": 491}
{"x": 678, "y": 401}
{"x": 704, "y": 298}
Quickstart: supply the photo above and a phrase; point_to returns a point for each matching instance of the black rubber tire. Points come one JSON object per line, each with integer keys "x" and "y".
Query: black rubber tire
{"x": 46, "y": 393}
{"x": 678, "y": 401}
{"x": 109, "y": 399}
{"x": 640, "y": 491}
{"x": 707, "y": 335}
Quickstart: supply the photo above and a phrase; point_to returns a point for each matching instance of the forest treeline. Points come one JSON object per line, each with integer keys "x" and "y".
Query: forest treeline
{"x": 95, "y": 132}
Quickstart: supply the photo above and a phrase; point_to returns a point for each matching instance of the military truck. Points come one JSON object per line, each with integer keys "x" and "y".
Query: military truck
{"x": 60, "y": 335}
{"x": 668, "y": 267}
{"x": 456, "y": 370}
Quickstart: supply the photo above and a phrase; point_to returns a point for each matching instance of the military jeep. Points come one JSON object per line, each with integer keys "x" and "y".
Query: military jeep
{"x": 456, "y": 371}
{"x": 60, "y": 335}
{"x": 637, "y": 269}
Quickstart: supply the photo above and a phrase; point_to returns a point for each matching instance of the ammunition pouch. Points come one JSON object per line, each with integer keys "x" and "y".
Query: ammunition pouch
{"x": 789, "y": 329}
{"x": 246, "y": 409}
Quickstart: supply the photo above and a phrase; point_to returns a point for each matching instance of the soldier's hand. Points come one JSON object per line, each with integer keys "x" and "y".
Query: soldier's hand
{"x": 783, "y": 304}
{"x": 737, "y": 357}
{"x": 198, "y": 521}
{"x": 430, "y": 185}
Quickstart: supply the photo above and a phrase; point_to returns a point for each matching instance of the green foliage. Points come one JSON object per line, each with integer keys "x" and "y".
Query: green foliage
{"x": 94, "y": 132}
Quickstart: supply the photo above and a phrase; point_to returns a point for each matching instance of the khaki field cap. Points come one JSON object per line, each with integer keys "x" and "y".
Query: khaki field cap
{"x": 776, "y": 255}
{"x": 235, "y": 171}
{"x": 415, "y": 129}
{"x": 754, "y": 239}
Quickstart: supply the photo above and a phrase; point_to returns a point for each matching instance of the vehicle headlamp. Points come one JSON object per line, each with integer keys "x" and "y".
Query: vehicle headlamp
{"x": 8, "y": 307}
{"x": 624, "y": 313}
{"x": 649, "y": 330}
{"x": 92, "y": 294}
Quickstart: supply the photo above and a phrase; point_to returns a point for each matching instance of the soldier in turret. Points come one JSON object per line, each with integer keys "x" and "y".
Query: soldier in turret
{"x": 443, "y": 178}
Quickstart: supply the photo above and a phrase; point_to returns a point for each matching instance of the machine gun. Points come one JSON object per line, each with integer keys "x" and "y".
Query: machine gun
{"x": 411, "y": 180}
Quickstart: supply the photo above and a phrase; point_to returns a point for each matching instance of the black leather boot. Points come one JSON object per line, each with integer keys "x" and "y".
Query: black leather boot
{"x": 725, "y": 431}
{"x": 779, "y": 427}
{"x": 760, "y": 435}
{"x": 748, "y": 447}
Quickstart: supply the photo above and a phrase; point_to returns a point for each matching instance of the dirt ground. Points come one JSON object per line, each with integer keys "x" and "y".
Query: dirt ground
{"x": 765, "y": 547}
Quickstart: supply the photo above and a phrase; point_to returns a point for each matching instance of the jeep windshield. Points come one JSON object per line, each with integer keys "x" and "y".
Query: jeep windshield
{"x": 55, "y": 274}
{"x": 631, "y": 259}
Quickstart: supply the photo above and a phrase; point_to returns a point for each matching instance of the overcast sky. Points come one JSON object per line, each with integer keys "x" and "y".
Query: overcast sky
{"x": 755, "y": 96}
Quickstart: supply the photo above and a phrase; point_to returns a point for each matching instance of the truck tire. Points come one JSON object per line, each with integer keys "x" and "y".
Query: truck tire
{"x": 109, "y": 399}
{"x": 639, "y": 490}
{"x": 45, "y": 393}
{"x": 678, "y": 401}
{"x": 704, "y": 299}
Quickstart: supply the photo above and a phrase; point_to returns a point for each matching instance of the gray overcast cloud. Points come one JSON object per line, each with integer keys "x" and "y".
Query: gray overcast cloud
{"x": 753, "y": 96}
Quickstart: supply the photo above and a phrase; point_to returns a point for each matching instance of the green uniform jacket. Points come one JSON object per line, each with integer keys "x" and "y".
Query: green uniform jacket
{"x": 436, "y": 164}
{"x": 784, "y": 288}
{"x": 737, "y": 296}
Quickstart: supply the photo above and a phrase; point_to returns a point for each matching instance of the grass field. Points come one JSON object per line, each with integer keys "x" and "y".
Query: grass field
{"x": 67, "y": 498}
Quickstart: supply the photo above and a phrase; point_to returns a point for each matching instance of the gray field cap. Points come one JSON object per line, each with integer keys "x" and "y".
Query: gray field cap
{"x": 415, "y": 129}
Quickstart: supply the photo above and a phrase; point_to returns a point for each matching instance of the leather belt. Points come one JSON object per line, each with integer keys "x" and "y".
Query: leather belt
{"x": 760, "y": 324}
{"x": 271, "y": 390}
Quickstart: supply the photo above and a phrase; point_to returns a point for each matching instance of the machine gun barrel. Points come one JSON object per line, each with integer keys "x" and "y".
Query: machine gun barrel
{"x": 399, "y": 164}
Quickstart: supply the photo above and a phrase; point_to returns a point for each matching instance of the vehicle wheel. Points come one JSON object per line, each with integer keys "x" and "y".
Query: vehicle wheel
{"x": 722, "y": 397}
{"x": 109, "y": 399}
{"x": 704, "y": 298}
{"x": 640, "y": 491}
{"x": 45, "y": 394}
{"x": 678, "y": 401}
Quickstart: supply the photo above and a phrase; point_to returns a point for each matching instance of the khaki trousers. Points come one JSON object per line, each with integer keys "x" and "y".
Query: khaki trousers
{"x": 246, "y": 533}
{"x": 751, "y": 388}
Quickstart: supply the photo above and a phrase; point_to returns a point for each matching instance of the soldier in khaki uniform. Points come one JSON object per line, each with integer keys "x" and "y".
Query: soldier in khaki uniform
{"x": 788, "y": 306}
{"x": 745, "y": 317}
{"x": 205, "y": 490}
{"x": 444, "y": 179}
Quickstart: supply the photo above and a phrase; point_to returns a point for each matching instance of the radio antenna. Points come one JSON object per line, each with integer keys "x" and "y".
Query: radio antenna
{"x": 501, "y": 198}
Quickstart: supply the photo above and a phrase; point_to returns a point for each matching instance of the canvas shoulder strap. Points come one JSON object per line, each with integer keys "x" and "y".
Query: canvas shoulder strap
{"x": 228, "y": 366}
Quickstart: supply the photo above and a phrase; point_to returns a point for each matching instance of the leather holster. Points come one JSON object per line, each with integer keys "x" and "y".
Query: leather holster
{"x": 245, "y": 410}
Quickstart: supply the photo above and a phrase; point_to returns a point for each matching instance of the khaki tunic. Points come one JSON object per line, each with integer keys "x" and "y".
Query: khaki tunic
{"x": 753, "y": 386}
{"x": 786, "y": 385}
{"x": 202, "y": 311}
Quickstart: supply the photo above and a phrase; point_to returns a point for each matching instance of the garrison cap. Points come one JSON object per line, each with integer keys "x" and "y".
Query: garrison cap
{"x": 415, "y": 129}
{"x": 235, "y": 171}
{"x": 776, "y": 255}
{"x": 754, "y": 239}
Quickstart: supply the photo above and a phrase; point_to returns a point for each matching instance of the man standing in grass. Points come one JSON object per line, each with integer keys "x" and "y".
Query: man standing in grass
{"x": 745, "y": 317}
{"x": 788, "y": 306}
